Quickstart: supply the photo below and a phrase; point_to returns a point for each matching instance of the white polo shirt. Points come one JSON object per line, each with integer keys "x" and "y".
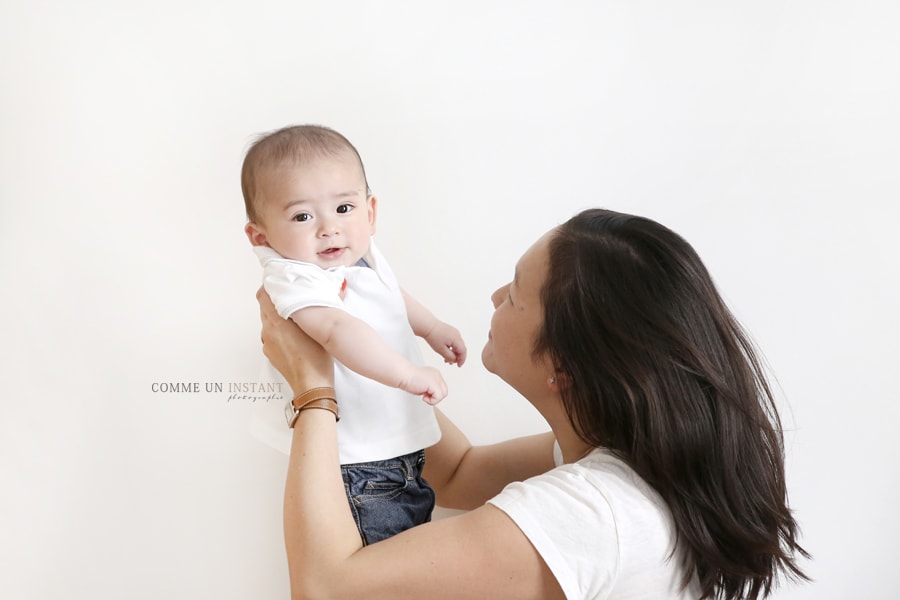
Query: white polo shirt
{"x": 378, "y": 422}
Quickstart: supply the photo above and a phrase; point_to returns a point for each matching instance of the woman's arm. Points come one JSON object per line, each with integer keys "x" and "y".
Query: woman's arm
{"x": 481, "y": 554}
{"x": 465, "y": 476}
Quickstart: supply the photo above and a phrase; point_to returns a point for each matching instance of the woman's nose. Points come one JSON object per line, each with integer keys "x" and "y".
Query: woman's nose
{"x": 497, "y": 296}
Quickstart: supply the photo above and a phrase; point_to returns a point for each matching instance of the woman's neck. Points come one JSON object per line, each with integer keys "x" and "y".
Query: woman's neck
{"x": 574, "y": 451}
{"x": 573, "y": 447}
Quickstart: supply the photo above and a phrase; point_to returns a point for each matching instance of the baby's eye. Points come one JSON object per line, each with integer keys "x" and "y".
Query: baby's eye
{"x": 302, "y": 217}
{"x": 344, "y": 208}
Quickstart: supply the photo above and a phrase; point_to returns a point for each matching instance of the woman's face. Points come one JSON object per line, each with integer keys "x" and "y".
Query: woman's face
{"x": 518, "y": 316}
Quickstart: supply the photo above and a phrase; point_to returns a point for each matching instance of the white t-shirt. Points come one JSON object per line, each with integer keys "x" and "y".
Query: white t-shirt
{"x": 602, "y": 531}
{"x": 378, "y": 422}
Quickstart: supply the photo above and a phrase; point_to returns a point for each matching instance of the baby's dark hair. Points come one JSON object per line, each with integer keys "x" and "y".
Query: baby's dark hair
{"x": 293, "y": 144}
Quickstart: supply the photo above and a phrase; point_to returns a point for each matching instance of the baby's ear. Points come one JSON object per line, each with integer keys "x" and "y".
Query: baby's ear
{"x": 372, "y": 206}
{"x": 256, "y": 234}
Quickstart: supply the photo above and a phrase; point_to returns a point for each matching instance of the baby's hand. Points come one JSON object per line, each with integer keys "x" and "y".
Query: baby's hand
{"x": 446, "y": 341}
{"x": 426, "y": 382}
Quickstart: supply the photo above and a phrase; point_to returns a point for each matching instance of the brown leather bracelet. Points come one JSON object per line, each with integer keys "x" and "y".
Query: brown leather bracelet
{"x": 318, "y": 397}
{"x": 329, "y": 404}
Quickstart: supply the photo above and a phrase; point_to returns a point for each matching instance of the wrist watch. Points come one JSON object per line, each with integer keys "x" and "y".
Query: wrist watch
{"x": 290, "y": 413}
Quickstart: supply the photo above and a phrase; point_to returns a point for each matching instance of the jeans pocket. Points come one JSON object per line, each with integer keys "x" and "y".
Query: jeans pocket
{"x": 377, "y": 483}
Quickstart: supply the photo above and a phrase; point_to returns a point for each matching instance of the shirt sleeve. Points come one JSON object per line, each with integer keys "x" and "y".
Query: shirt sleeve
{"x": 293, "y": 285}
{"x": 571, "y": 525}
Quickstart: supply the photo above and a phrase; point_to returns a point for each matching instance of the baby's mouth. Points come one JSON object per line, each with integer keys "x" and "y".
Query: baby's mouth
{"x": 331, "y": 251}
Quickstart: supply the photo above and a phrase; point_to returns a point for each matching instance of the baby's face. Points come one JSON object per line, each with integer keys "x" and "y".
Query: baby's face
{"x": 317, "y": 212}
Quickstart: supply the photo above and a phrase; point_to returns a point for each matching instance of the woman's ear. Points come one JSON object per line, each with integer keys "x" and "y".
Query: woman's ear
{"x": 558, "y": 381}
{"x": 256, "y": 234}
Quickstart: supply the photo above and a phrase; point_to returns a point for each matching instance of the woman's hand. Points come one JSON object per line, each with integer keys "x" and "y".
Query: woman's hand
{"x": 301, "y": 360}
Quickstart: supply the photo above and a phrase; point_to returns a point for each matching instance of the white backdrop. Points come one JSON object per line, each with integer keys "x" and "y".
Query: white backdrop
{"x": 767, "y": 133}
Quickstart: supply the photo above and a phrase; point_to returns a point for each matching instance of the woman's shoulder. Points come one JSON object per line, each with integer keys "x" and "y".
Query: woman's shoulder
{"x": 601, "y": 477}
{"x": 598, "y": 525}
{"x": 607, "y": 472}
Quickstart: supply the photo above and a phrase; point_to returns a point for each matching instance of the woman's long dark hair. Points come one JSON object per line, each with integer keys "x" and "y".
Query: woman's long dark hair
{"x": 661, "y": 373}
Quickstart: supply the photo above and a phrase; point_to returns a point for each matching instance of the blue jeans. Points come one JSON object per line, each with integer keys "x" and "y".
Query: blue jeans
{"x": 388, "y": 496}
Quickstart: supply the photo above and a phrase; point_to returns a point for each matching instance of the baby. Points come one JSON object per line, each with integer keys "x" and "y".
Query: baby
{"x": 311, "y": 220}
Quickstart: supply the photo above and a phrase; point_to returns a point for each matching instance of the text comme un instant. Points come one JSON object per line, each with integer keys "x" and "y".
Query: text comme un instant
{"x": 234, "y": 387}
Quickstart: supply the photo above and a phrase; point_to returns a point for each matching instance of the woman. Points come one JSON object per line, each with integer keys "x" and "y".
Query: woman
{"x": 671, "y": 477}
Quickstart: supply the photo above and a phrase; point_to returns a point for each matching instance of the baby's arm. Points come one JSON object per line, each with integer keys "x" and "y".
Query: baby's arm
{"x": 354, "y": 343}
{"x": 443, "y": 338}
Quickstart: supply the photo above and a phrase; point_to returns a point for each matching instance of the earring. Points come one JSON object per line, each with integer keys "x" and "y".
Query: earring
{"x": 552, "y": 379}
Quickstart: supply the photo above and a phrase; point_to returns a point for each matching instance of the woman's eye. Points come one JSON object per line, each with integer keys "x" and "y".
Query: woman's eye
{"x": 302, "y": 217}
{"x": 344, "y": 208}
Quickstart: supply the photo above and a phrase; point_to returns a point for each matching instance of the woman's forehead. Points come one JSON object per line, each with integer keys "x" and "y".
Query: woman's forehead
{"x": 532, "y": 266}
